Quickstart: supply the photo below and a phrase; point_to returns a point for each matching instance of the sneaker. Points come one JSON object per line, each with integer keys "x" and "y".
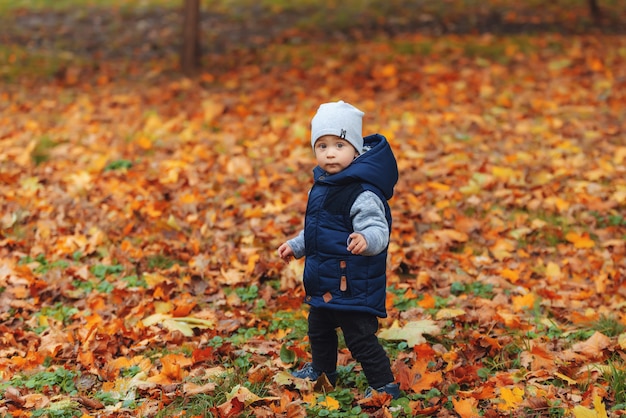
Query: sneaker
{"x": 392, "y": 389}
{"x": 308, "y": 372}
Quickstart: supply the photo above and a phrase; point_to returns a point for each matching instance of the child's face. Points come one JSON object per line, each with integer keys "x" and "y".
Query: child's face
{"x": 334, "y": 154}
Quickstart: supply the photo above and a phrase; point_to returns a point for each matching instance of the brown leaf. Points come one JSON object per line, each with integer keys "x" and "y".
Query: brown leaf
{"x": 13, "y": 394}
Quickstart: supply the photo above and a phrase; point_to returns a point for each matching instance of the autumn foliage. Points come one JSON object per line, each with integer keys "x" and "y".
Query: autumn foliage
{"x": 140, "y": 214}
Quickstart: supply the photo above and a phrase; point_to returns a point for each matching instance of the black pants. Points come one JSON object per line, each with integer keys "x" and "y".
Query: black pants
{"x": 359, "y": 331}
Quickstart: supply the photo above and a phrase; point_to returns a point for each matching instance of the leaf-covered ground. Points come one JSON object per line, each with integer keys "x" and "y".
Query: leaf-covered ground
{"x": 140, "y": 211}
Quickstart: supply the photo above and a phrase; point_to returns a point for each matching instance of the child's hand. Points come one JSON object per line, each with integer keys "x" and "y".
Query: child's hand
{"x": 356, "y": 243}
{"x": 285, "y": 252}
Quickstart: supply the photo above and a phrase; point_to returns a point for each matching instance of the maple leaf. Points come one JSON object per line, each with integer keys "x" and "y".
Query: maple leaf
{"x": 539, "y": 358}
{"x": 284, "y": 378}
{"x": 523, "y": 302}
{"x": 412, "y": 332}
{"x": 240, "y": 398}
{"x": 183, "y": 324}
{"x": 598, "y": 411}
{"x": 449, "y": 313}
{"x": 53, "y": 340}
{"x": 511, "y": 398}
{"x": 593, "y": 346}
{"x": 418, "y": 377}
{"x": 466, "y": 408}
{"x": 580, "y": 241}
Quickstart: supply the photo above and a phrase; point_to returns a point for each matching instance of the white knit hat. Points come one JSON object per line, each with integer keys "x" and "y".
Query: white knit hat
{"x": 340, "y": 119}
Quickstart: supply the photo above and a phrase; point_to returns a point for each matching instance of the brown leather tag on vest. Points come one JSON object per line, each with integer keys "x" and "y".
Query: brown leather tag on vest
{"x": 343, "y": 285}
{"x": 327, "y": 297}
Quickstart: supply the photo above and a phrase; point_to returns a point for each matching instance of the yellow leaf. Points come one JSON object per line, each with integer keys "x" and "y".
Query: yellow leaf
{"x": 504, "y": 172}
{"x": 565, "y": 378}
{"x": 330, "y": 403}
{"x": 79, "y": 182}
{"x": 173, "y": 223}
{"x": 154, "y": 279}
{"x": 553, "y": 271}
{"x": 163, "y": 307}
{"x": 284, "y": 378}
{"x": 153, "y": 123}
{"x": 412, "y": 332}
{"x": 181, "y": 324}
{"x": 598, "y": 411}
{"x": 619, "y": 157}
{"x": 310, "y": 398}
{"x": 448, "y": 313}
{"x": 582, "y": 412}
{"x": 599, "y": 407}
{"x": 247, "y": 397}
{"x": 243, "y": 394}
{"x": 502, "y": 249}
{"x": 619, "y": 196}
{"x": 511, "y": 397}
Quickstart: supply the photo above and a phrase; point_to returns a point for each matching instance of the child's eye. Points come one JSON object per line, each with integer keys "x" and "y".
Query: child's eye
{"x": 339, "y": 145}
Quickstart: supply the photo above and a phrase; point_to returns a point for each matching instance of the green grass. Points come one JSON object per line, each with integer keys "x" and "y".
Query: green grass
{"x": 60, "y": 312}
{"x": 616, "y": 378}
{"x": 60, "y": 378}
{"x": 160, "y": 262}
{"x": 482, "y": 290}
{"x": 609, "y": 326}
{"x": 204, "y": 404}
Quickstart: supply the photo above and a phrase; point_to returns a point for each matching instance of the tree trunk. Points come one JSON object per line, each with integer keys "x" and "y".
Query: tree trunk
{"x": 190, "y": 56}
{"x": 594, "y": 9}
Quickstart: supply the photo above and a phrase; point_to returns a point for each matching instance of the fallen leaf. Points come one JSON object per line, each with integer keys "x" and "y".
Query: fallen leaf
{"x": 183, "y": 324}
{"x": 598, "y": 411}
{"x": 412, "y": 332}
{"x": 511, "y": 398}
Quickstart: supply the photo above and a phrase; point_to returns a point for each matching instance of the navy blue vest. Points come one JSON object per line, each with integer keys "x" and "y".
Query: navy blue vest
{"x": 333, "y": 277}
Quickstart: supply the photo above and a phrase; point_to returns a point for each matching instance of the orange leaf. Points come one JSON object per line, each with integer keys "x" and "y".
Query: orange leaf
{"x": 539, "y": 358}
{"x": 466, "y": 408}
{"x": 510, "y": 275}
{"x": 428, "y": 302}
{"x": 526, "y": 301}
{"x": 422, "y": 378}
{"x": 580, "y": 241}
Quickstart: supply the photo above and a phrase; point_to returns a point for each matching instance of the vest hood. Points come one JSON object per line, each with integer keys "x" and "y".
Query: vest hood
{"x": 377, "y": 166}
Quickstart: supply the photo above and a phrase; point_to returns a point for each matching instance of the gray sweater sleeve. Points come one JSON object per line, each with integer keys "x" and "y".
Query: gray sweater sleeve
{"x": 297, "y": 245}
{"x": 368, "y": 219}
